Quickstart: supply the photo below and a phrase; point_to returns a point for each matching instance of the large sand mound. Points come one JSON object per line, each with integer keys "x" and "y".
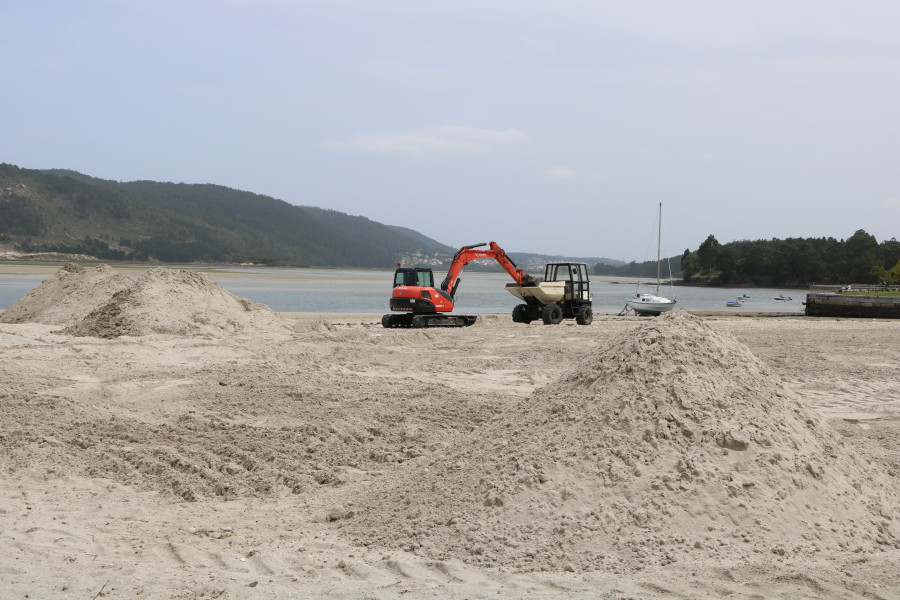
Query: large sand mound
{"x": 179, "y": 302}
{"x": 67, "y": 297}
{"x": 673, "y": 441}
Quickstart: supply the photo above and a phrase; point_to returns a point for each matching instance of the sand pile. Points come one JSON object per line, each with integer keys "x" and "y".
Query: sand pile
{"x": 673, "y": 442}
{"x": 179, "y": 302}
{"x": 67, "y": 297}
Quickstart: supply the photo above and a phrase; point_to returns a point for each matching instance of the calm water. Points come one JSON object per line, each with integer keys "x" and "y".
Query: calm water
{"x": 324, "y": 290}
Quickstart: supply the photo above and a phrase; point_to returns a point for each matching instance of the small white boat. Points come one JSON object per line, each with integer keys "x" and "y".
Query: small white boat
{"x": 782, "y": 298}
{"x": 732, "y": 303}
{"x": 649, "y": 304}
{"x": 652, "y": 304}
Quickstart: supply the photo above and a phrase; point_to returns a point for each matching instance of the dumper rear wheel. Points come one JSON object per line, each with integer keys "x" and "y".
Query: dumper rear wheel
{"x": 584, "y": 316}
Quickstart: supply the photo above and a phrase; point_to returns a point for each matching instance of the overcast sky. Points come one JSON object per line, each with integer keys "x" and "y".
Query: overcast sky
{"x": 552, "y": 126}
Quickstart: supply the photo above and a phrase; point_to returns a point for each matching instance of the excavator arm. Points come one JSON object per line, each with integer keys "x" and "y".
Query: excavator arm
{"x": 467, "y": 254}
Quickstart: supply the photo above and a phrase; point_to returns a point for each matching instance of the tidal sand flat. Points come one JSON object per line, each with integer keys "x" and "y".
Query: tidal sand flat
{"x": 169, "y": 439}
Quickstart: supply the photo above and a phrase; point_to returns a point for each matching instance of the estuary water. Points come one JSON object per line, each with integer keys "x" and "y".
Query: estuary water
{"x": 368, "y": 291}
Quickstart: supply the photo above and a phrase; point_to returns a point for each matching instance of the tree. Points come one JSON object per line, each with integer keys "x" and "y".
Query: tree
{"x": 833, "y": 258}
{"x": 890, "y": 252}
{"x": 879, "y": 275}
{"x": 861, "y": 253}
{"x": 754, "y": 267}
{"x": 811, "y": 267}
{"x": 726, "y": 264}
{"x": 689, "y": 264}
{"x": 708, "y": 255}
{"x": 895, "y": 273}
{"x": 784, "y": 261}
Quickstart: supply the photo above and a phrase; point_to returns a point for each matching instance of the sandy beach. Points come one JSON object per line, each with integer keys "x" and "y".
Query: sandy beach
{"x": 166, "y": 439}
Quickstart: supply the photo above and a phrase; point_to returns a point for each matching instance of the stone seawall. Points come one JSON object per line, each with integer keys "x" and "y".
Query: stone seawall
{"x": 842, "y": 305}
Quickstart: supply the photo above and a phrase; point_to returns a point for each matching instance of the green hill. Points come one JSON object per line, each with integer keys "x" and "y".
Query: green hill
{"x": 66, "y": 211}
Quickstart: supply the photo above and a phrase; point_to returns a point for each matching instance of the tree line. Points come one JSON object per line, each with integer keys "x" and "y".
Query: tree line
{"x": 776, "y": 262}
{"x": 794, "y": 261}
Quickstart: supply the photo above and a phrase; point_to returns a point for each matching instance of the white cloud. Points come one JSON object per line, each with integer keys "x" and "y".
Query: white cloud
{"x": 450, "y": 140}
{"x": 557, "y": 172}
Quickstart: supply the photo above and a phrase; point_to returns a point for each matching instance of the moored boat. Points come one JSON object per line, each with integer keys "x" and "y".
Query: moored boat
{"x": 649, "y": 304}
{"x": 652, "y": 304}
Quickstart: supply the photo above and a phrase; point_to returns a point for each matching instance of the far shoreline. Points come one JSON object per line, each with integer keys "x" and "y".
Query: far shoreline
{"x": 48, "y": 268}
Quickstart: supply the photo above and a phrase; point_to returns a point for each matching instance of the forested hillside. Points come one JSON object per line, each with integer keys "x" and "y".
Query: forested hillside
{"x": 65, "y": 211}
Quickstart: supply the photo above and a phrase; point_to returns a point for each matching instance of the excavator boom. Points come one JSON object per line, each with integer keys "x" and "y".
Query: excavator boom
{"x": 467, "y": 254}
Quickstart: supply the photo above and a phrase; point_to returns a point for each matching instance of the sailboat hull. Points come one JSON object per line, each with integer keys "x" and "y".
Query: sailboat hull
{"x": 648, "y": 304}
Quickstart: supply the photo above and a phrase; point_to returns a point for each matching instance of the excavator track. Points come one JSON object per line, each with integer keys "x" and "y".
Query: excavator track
{"x": 422, "y": 321}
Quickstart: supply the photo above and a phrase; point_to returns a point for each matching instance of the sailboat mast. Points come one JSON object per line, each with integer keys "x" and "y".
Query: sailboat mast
{"x": 658, "y": 243}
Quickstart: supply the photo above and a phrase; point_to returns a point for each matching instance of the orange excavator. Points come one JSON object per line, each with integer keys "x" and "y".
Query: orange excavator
{"x": 415, "y": 302}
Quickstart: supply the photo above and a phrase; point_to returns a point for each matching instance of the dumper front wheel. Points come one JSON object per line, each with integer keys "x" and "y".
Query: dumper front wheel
{"x": 552, "y": 314}
{"x": 520, "y": 314}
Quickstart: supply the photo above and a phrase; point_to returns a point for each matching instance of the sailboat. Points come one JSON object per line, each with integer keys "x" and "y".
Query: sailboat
{"x": 650, "y": 304}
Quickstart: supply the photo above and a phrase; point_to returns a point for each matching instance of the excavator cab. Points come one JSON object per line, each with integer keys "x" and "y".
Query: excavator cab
{"x": 414, "y": 277}
{"x": 415, "y": 302}
{"x": 420, "y": 283}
